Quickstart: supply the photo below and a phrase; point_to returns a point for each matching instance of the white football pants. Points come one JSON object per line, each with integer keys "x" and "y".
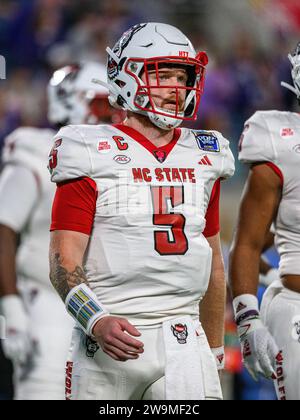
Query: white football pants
{"x": 96, "y": 376}
{"x": 283, "y": 321}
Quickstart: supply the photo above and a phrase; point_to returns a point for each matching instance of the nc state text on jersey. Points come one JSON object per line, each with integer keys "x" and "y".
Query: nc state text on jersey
{"x": 181, "y": 175}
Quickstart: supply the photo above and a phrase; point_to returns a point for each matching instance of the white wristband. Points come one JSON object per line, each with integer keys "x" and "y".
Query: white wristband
{"x": 83, "y": 305}
{"x": 219, "y": 355}
{"x": 243, "y": 304}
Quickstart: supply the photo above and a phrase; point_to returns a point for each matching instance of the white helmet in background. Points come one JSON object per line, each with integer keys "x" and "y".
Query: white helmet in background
{"x": 150, "y": 46}
{"x": 295, "y": 61}
{"x": 74, "y": 99}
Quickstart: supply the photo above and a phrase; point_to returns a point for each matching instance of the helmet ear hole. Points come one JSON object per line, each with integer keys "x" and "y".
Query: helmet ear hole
{"x": 121, "y": 101}
{"x": 120, "y": 83}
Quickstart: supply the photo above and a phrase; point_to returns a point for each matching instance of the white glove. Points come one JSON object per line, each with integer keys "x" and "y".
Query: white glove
{"x": 259, "y": 349}
{"x": 219, "y": 355}
{"x": 17, "y": 344}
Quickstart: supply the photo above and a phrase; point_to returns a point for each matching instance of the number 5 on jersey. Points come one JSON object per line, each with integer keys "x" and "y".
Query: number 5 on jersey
{"x": 53, "y": 155}
{"x": 170, "y": 241}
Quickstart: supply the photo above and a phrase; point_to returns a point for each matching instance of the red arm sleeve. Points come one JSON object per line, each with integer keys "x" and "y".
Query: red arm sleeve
{"x": 74, "y": 205}
{"x": 212, "y": 213}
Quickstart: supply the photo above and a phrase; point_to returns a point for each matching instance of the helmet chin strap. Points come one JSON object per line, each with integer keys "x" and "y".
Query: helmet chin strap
{"x": 163, "y": 122}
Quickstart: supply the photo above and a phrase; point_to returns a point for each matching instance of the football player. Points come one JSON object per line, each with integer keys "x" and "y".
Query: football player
{"x": 36, "y": 341}
{"x": 135, "y": 230}
{"x": 270, "y": 340}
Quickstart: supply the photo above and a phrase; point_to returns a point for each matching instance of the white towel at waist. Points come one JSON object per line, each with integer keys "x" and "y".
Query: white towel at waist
{"x": 189, "y": 362}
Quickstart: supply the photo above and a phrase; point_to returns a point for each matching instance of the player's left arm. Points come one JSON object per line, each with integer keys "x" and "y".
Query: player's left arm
{"x": 212, "y": 307}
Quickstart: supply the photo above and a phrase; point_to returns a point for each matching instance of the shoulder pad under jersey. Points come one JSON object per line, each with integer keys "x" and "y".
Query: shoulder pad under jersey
{"x": 70, "y": 156}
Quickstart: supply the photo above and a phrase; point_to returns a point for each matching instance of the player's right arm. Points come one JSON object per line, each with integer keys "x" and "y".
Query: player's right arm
{"x": 72, "y": 220}
{"x": 66, "y": 255}
{"x": 67, "y": 249}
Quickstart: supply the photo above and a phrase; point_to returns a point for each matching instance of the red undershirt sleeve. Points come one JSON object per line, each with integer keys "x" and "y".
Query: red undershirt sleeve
{"x": 74, "y": 205}
{"x": 212, "y": 213}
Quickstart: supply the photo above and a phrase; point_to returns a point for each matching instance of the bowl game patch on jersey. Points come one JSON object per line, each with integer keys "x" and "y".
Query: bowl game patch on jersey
{"x": 206, "y": 141}
{"x": 104, "y": 146}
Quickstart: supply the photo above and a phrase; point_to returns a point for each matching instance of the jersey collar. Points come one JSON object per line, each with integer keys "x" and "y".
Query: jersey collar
{"x": 160, "y": 153}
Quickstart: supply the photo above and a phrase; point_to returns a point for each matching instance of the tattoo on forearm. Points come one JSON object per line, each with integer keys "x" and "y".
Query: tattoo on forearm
{"x": 64, "y": 280}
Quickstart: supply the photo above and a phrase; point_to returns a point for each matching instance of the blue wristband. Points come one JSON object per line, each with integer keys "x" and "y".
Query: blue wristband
{"x": 83, "y": 305}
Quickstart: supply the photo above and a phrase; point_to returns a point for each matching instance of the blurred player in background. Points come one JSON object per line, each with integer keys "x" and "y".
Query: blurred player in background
{"x": 38, "y": 329}
{"x": 271, "y": 340}
{"x": 135, "y": 230}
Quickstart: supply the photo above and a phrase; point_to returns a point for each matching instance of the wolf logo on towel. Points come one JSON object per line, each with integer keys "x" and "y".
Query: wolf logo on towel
{"x": 180, "y": 332}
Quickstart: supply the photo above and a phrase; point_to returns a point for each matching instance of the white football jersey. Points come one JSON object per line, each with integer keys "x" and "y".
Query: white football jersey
{"x": 147, "y": 258}
{"x": 274, "y": 136}
{"x": 26, "y": 203}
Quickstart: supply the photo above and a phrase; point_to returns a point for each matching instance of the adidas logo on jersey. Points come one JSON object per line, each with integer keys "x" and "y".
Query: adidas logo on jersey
{"x": 205, "y": 161}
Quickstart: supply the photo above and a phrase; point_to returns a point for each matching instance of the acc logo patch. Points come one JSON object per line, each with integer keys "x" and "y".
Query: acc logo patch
{"x": 297, "y": 148}
{"x": 180, "y": 331}
{"x": 122, "y": 159}
{"x": 207, "y": 141}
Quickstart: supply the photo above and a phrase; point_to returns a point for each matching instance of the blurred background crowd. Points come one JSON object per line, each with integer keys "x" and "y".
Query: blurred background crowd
{"x": 247, "y": 42}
